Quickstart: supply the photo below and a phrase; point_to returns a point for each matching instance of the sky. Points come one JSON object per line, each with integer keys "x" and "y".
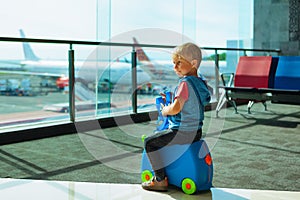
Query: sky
{"x": 208, "y": 22}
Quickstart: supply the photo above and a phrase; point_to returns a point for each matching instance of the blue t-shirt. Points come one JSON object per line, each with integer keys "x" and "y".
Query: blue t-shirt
{"x": 192, "y": 114}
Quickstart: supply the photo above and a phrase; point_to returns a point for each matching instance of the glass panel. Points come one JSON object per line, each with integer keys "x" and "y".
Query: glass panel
{"x": 207, "y": 71}
{"x": 135, "y": 14}
{"x": 219, "y": 22}
{"x": 103, "y": 20}
{"x": 87, "y": 66}
{"x": 31, "y": 88}
{"x": 103, "y": 74}
{"x": 189, "y": 19}
{"x": 155, "y": 76}
{"x": 68, "y": 19}
{"x": 232, "y": 58}
{"x": 104, "y": 77}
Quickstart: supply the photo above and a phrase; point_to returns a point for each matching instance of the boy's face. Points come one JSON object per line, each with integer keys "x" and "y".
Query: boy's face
{"x": 182, "y": 66}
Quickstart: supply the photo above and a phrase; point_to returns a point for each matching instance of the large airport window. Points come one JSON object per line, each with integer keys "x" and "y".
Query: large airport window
{"x": 30, "y": 87}
{"x": 34, "y": 78}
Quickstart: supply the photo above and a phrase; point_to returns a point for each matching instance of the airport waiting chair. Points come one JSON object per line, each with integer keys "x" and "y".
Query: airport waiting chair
{"x": 252, "y": 72}
{"x": 287, "y": 76}
{"x": 287, "y": 81}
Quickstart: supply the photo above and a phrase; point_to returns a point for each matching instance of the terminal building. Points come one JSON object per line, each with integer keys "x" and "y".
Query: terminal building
{"x": 79, "y": 82}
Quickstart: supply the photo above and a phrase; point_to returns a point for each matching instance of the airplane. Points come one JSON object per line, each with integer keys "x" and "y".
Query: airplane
{"x": 107, "y": 73}
{"x": 57, "y": 70}
{"x": 163, "y": 69}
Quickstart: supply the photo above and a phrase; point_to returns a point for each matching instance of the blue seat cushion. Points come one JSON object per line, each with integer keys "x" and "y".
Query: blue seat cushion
{"x": 287, "y": 74}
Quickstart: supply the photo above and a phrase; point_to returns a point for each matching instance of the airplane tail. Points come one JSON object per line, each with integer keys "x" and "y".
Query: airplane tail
{"x": 145, "y": 63}
{"x": 141, "y": 55}
{"x": 28, "y": 52}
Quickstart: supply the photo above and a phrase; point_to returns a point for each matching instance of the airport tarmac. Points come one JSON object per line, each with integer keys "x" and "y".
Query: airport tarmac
{"x": 16, "y": 110}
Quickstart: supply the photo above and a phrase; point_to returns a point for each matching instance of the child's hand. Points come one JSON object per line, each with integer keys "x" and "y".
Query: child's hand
{"x": 163, "y": 95}
{"x": 165, "y": 107}
{"x": 163, "y": 110}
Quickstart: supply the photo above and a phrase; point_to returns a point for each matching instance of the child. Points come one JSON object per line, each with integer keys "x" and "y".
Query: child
{"x": 185, "y": 113}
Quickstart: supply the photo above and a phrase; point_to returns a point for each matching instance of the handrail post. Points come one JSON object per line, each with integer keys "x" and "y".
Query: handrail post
{"x": 71, "y": 85}
{"x": 217, "y": 83}
{"x": 134, "y": 80}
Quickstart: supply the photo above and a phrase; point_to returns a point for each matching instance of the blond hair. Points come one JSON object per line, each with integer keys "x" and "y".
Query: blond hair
{"x": 189, "y": 51}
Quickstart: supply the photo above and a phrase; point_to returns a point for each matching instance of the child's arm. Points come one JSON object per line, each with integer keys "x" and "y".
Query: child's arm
{"x": 173, "y": 108}
{"x": 180, "y": 97}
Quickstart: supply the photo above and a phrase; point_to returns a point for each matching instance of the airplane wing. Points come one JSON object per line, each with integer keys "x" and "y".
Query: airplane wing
{"x": 14, "y": 63}
{"x": 30, "y": 73}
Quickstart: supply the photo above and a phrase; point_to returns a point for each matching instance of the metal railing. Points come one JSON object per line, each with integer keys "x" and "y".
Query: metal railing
{"x": 71, "y": 59}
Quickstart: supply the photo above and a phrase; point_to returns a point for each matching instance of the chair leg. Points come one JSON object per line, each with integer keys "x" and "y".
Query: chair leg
{"x": 250, "y": 104}
{"x": 265, "y": 105}
{"x": 220, "y": 104}
{"x": 232, "y": 102}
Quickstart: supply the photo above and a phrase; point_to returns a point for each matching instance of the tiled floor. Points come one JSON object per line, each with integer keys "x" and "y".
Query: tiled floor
{"x": 61, "y": 190}
{"x": 258, "y": 152}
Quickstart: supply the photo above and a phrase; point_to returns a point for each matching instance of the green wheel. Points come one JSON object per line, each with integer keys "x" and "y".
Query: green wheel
{"x": 143, "y": 137}
{"x": 188, "y": 186}
{"x": 146, "y": 175}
